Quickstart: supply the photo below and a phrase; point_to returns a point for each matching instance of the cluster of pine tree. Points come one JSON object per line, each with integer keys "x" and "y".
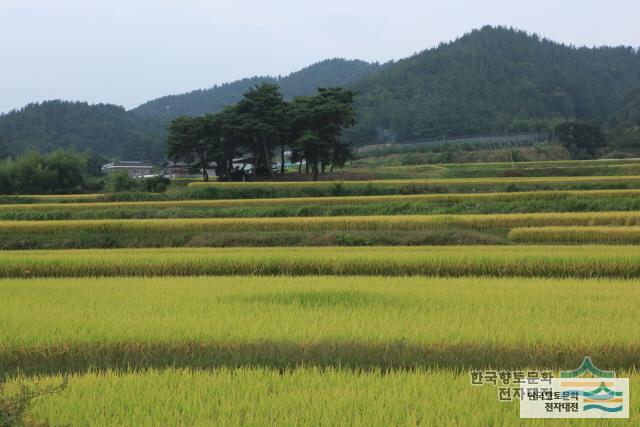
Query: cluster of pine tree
{"x": 311, "y": 126}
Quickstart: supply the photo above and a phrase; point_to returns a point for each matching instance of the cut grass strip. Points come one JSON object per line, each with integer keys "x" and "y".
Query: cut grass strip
{"x": 502, "y": 261}
{"x": 607, "y": 235}
{"x": 437, "y": 181}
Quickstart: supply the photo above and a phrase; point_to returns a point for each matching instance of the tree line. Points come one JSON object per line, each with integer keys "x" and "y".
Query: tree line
{"x": 263, "y": 123}
{"x": 67, "y": 172}
{"x": 58, "y": 172}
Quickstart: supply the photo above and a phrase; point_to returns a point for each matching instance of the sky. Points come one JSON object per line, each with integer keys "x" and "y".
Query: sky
{"x": 126, "y": 52}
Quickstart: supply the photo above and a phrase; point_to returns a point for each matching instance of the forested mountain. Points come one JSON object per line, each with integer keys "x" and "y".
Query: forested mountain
{"x": 328, "y": 73}
{"x": 100, "y": 129}
{"x": 490, "y": 81}
{"x": 627, "y": 114}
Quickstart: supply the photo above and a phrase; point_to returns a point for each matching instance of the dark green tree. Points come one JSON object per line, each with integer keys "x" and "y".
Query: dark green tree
{"x": 192, "y": 140}
{"x": 4, "y": 149}
{"x": 261, "y": 120}
{"x": 582, "y": 139}
{"x": 34, "y": 173}
{"x": 316, "y": 125}
{"x": 120, "y": 181}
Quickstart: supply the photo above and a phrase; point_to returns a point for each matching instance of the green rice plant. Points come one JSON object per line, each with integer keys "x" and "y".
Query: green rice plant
{"x": 61, "y": 197}
{"x": 608, "y": 235}
{"x": 311, "y": 201}
{"x": 503, "y": 261}
{"x": 185, "y": 239}
{"x": 300, "y": 397}
{"x": 438, "y": 181}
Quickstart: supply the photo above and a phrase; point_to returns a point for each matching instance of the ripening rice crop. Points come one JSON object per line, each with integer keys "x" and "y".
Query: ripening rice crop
{"x": 352, "y": 324}
{"x": 344, "y": 223}
{"x": 295, "y": 350}
{"x": 301, "y": 397}
{"x": 609, "y": 235}
{"x": 503, "y": 261}
{"x": 261, "y": 396}
{"x": 329, "y": 200}
{"x": 356, "y": 322}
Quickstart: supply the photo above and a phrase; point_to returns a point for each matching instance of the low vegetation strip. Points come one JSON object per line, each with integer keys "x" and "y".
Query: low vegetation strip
{"x": 329, "y": 200}
{"x": 435, "y": 181}
{"x": 343, "y": 223}
{"x": 502, "y": 261}
{"x": 619, "y": 235}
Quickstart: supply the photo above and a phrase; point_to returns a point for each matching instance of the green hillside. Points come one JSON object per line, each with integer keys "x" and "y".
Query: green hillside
{"x": 490, "y": 81}
{"x": 101, "y": 129}
{"x": 328, "y": 73}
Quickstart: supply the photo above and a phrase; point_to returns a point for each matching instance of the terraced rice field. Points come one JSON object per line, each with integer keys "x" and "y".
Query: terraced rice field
{"x": 344, "y": 200}
{"x": 497, "y": 261}
{"x": 346, "y": 223}
{"x": 304, "y": 396}
{"x": 173, "y": 204}
{"x": 309, "y": 335}
{"x": 170, "y": 341}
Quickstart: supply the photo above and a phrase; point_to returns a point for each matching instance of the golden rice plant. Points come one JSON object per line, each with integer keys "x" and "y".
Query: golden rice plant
{"x": 263, "y": 396}
{"x": 339, "y": 223}
{"x": 503, "y": 261}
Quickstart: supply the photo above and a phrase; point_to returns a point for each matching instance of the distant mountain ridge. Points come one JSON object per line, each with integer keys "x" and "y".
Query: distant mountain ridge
{"x": 101, "y": 129}
{"x": 111, "y": 131}
{"x": 328, "y": 73}
{"x": 490, "y": 81}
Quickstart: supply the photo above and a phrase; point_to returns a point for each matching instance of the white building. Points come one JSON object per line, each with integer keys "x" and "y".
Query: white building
{"x": 135, "y": 169}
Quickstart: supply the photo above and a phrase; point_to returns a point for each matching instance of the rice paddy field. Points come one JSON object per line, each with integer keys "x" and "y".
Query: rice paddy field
{"x": 353, "y": 303}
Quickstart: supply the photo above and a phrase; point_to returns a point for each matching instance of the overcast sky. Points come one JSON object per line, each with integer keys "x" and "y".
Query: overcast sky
{"x": 129, "y": 51}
